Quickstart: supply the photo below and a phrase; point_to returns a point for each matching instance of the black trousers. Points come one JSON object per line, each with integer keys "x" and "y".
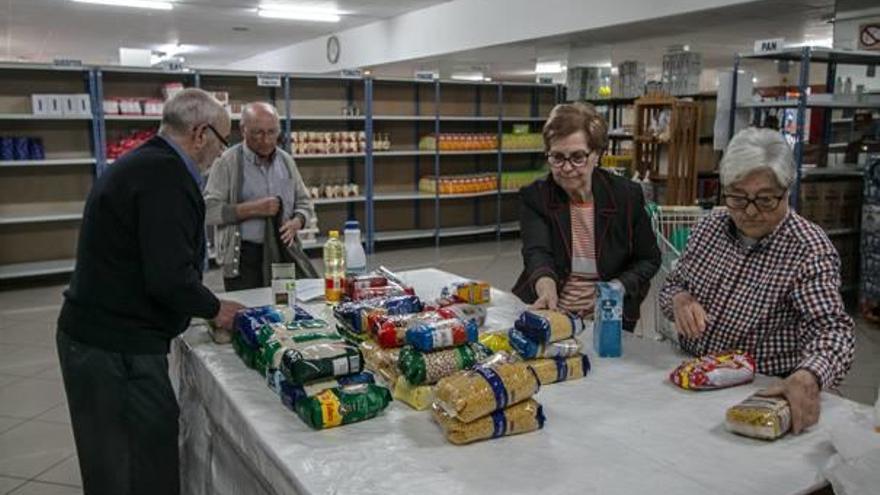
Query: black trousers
{"x": 250, "y": 269}
{"x": 124, "y": 416}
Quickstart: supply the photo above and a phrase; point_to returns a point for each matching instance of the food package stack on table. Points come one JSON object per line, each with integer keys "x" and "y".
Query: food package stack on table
{"x": 315, "y": 372}
{"x": 490, "y": 401}
{"x": 547, "y": 340}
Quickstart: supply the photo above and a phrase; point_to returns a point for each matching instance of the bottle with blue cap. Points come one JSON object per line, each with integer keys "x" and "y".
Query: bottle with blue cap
{"x": 355, "y": 258}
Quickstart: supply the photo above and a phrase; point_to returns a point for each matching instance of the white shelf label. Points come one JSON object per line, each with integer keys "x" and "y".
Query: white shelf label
{"x": 769, "y": 45}
{"x": 268, "y": 81}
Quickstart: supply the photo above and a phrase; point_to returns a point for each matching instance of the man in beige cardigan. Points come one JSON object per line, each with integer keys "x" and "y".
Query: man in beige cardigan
{"x": 257, "y": 201}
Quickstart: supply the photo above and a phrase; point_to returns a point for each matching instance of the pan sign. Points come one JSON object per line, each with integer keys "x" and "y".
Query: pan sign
{"x": 768, "y": 46}
{"x": 869, "y": 36}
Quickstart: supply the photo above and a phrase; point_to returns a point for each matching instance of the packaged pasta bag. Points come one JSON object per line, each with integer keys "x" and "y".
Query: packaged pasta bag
{"x": 390, "y": 330}
{"x": 714, "y": 371}
{"x": 519, "y": 418}
{"x": 529, "y": 349}
{"x": 442, "y": 334}
{"x": 471, "y": 394}
{"x": 425, "y": 368}
{"x": 418, "y": 397}
{"x": 306, "y": 363}
{"x": 496, "y": 341}
{"x": 381, "y": 361}
{"x": 767, "y": 418}
{"x": 343, "y": 405}
{"x": 465, "y": 312}
{"x": 543, "y": 326}
{"x": 560, "y": 369}
{"x": 355, "y": 316}
{"x": 249, "y": 321}
{"x": 291, "y": 393}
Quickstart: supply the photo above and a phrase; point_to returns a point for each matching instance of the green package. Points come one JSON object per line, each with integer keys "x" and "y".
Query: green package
{"x": 426, "y": 368}
{"x": 343, "y": 405}
{"x": 322, "y": 359}
{"x": 244, "y": 352}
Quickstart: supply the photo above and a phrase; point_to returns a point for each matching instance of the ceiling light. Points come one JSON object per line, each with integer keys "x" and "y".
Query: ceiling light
{"x": 754, "y": 80}
{"x": 551, "y": 67}
{"x": 467, "y": 76}
{"x": 280, "y": 11}
{"x": 140, "y": 4}
{"x": 487, "y": 79}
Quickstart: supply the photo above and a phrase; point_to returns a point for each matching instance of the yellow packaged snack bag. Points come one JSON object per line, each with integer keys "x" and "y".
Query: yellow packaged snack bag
{"x": 519, "y": 418}
{"x": 468, "y": 395}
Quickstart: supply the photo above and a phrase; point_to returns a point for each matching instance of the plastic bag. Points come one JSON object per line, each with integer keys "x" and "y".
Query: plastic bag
{"x": 544, "y": 326}
{"x": 442, "y": 334}
{"x": 519, "y": 418}
{"x": 249, "y": 321}
{"x": 390, "y": 331}
{"x": 766, "y": 418}
{"x": 381, "y": 361}
{"x": 343, "y": 405}
{"x": 320, "y": 360}
{"x": 530, "y": 349}
{"x": 422, "y": 368}
{"x": 291, "y": 393}
{"x": 469, "y": 395}
{"x": 714, "y": 371}
{"x": 560, "y": 369}
{"x": 418, "y": 397}
{"x": 355, "y": 316}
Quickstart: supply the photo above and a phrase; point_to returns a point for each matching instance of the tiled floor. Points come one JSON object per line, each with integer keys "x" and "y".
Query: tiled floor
{"x": 37, "y": 455}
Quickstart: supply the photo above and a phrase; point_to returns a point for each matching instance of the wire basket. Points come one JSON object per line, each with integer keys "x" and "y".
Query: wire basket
{"x": 672, "y": 226}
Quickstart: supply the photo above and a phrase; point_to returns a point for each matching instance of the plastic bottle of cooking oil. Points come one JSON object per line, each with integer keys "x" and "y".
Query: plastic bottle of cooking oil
{"x": 334, "y": 268}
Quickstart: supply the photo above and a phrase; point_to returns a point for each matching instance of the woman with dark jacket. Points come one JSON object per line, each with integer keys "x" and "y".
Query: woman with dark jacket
{"x": 582, "y": 224}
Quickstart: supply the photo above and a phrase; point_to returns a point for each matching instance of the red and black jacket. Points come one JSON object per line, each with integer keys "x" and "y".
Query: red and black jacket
{"x": 626, "y": 248}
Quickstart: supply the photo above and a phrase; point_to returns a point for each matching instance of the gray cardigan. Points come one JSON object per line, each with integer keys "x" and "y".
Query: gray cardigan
{"x": 222, "y": 195}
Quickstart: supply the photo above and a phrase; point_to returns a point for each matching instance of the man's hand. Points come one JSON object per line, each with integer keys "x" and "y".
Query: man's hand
{"x": 289, "y": 230}
{"x": 263, "y": 207}
{"x": 226, "y": 315}
{"x": 801, "y": 390}
{"x": 690, "y": 317}
{"x": 545, "y": 287}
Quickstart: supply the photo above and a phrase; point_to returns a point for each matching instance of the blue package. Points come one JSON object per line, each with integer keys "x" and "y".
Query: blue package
{"x": 544, "y": 326}
{"x": 7, "y": 149}
{"x": 249, "y": 321}
{"x": 36, "y": 149}
{"x": 441, "y": 334}
{"x": 291, "y": 393}
{"x": 608, "y": 321}
{"x": 20, "y": 148}
{"x": 402, "y": 305}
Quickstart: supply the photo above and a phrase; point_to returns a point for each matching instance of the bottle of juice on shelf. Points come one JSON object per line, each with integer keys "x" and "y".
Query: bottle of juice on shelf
{"x": 334, "y": 268}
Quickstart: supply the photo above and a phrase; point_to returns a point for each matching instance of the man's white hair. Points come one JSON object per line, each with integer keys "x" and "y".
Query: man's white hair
{"x": 754, "y": 149}
{"x": 191, "y": 108}
{"x": 249, "y": 111}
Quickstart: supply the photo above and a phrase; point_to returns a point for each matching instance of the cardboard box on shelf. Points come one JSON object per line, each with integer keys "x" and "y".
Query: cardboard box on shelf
{"x": 77, "y": 104}
{"x": 44, "y": 104}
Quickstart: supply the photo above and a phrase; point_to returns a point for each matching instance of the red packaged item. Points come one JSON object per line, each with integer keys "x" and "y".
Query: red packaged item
{"x": 714, "y": 371}
{"x": 390, "y": 331}
{"x": 359, "y": 282}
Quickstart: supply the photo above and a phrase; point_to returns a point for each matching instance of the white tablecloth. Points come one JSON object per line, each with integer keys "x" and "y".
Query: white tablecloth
{"x": 622, "y": 430}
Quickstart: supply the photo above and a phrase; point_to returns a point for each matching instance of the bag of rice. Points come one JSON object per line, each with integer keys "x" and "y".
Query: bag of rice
{"x": 530, "y": 349}
{"x": 767, "y": 418}
{"x": 418, "y": 397}
{"x": 343, "y": 405}
{"x": 714, "y": 371}
{"x": 519, "y": 418}
{"x": 560, "y": 369}
{"x": 471, "y": 394}
{"x": 425, "y": 368}
{"x": 249, "y": 321}
{"x": 311, "y": 362}
{"x": 291, "y": 394}
{"x": 544, "y": 326}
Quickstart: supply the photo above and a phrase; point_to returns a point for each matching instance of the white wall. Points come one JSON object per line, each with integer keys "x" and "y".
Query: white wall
{"x": 464, "y": 25}
{"x": 846, "y": 37}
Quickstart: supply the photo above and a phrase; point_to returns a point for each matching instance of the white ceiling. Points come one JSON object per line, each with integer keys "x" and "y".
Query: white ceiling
{"x": 41, "y": 30}
{"x": 717, "y": 34}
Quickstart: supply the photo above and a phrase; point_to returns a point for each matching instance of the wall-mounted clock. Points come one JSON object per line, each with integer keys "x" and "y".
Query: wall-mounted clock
{"x": 333, "y": 49}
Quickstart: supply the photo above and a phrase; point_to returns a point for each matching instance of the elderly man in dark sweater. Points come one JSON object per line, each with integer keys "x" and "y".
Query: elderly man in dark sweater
{"x": 137, "y": 283}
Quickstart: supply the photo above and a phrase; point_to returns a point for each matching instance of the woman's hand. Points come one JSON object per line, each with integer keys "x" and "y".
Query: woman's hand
{"x": 545, "y": 288}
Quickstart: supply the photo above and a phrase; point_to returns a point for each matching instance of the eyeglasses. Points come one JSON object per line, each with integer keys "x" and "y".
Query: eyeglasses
{"x": 577, "y": 159}
{"x": 219, "y": 137}
{"x": 765, "y": 204}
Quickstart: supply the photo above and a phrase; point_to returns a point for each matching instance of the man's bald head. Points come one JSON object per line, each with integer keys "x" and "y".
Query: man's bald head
{"x": 260, "y": 126}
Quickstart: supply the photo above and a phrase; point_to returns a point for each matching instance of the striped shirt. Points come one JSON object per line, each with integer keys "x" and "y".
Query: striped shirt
{"x": 578, "y": 294}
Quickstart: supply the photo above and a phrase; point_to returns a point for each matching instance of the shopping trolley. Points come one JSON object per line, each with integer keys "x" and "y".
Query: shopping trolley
{"x": 672, "y": 226}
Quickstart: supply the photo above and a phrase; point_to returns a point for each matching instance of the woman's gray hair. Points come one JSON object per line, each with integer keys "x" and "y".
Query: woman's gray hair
{"x": 191, "y": 108}
{"x": 754, "y": 149}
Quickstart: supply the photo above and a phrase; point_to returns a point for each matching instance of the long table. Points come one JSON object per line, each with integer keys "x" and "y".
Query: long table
{"x": 624, "y": 429}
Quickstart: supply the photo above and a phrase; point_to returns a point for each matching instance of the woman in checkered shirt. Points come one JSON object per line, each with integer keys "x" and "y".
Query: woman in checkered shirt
{"x": 760, "y": 277}
{"x": 583, "y": 224}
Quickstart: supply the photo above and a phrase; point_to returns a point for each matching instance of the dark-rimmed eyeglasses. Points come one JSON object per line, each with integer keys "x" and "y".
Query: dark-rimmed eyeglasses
{"x": 219, "y": 136}
{"x": 764, "y": 204}
{"x": 577, "y": 159}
